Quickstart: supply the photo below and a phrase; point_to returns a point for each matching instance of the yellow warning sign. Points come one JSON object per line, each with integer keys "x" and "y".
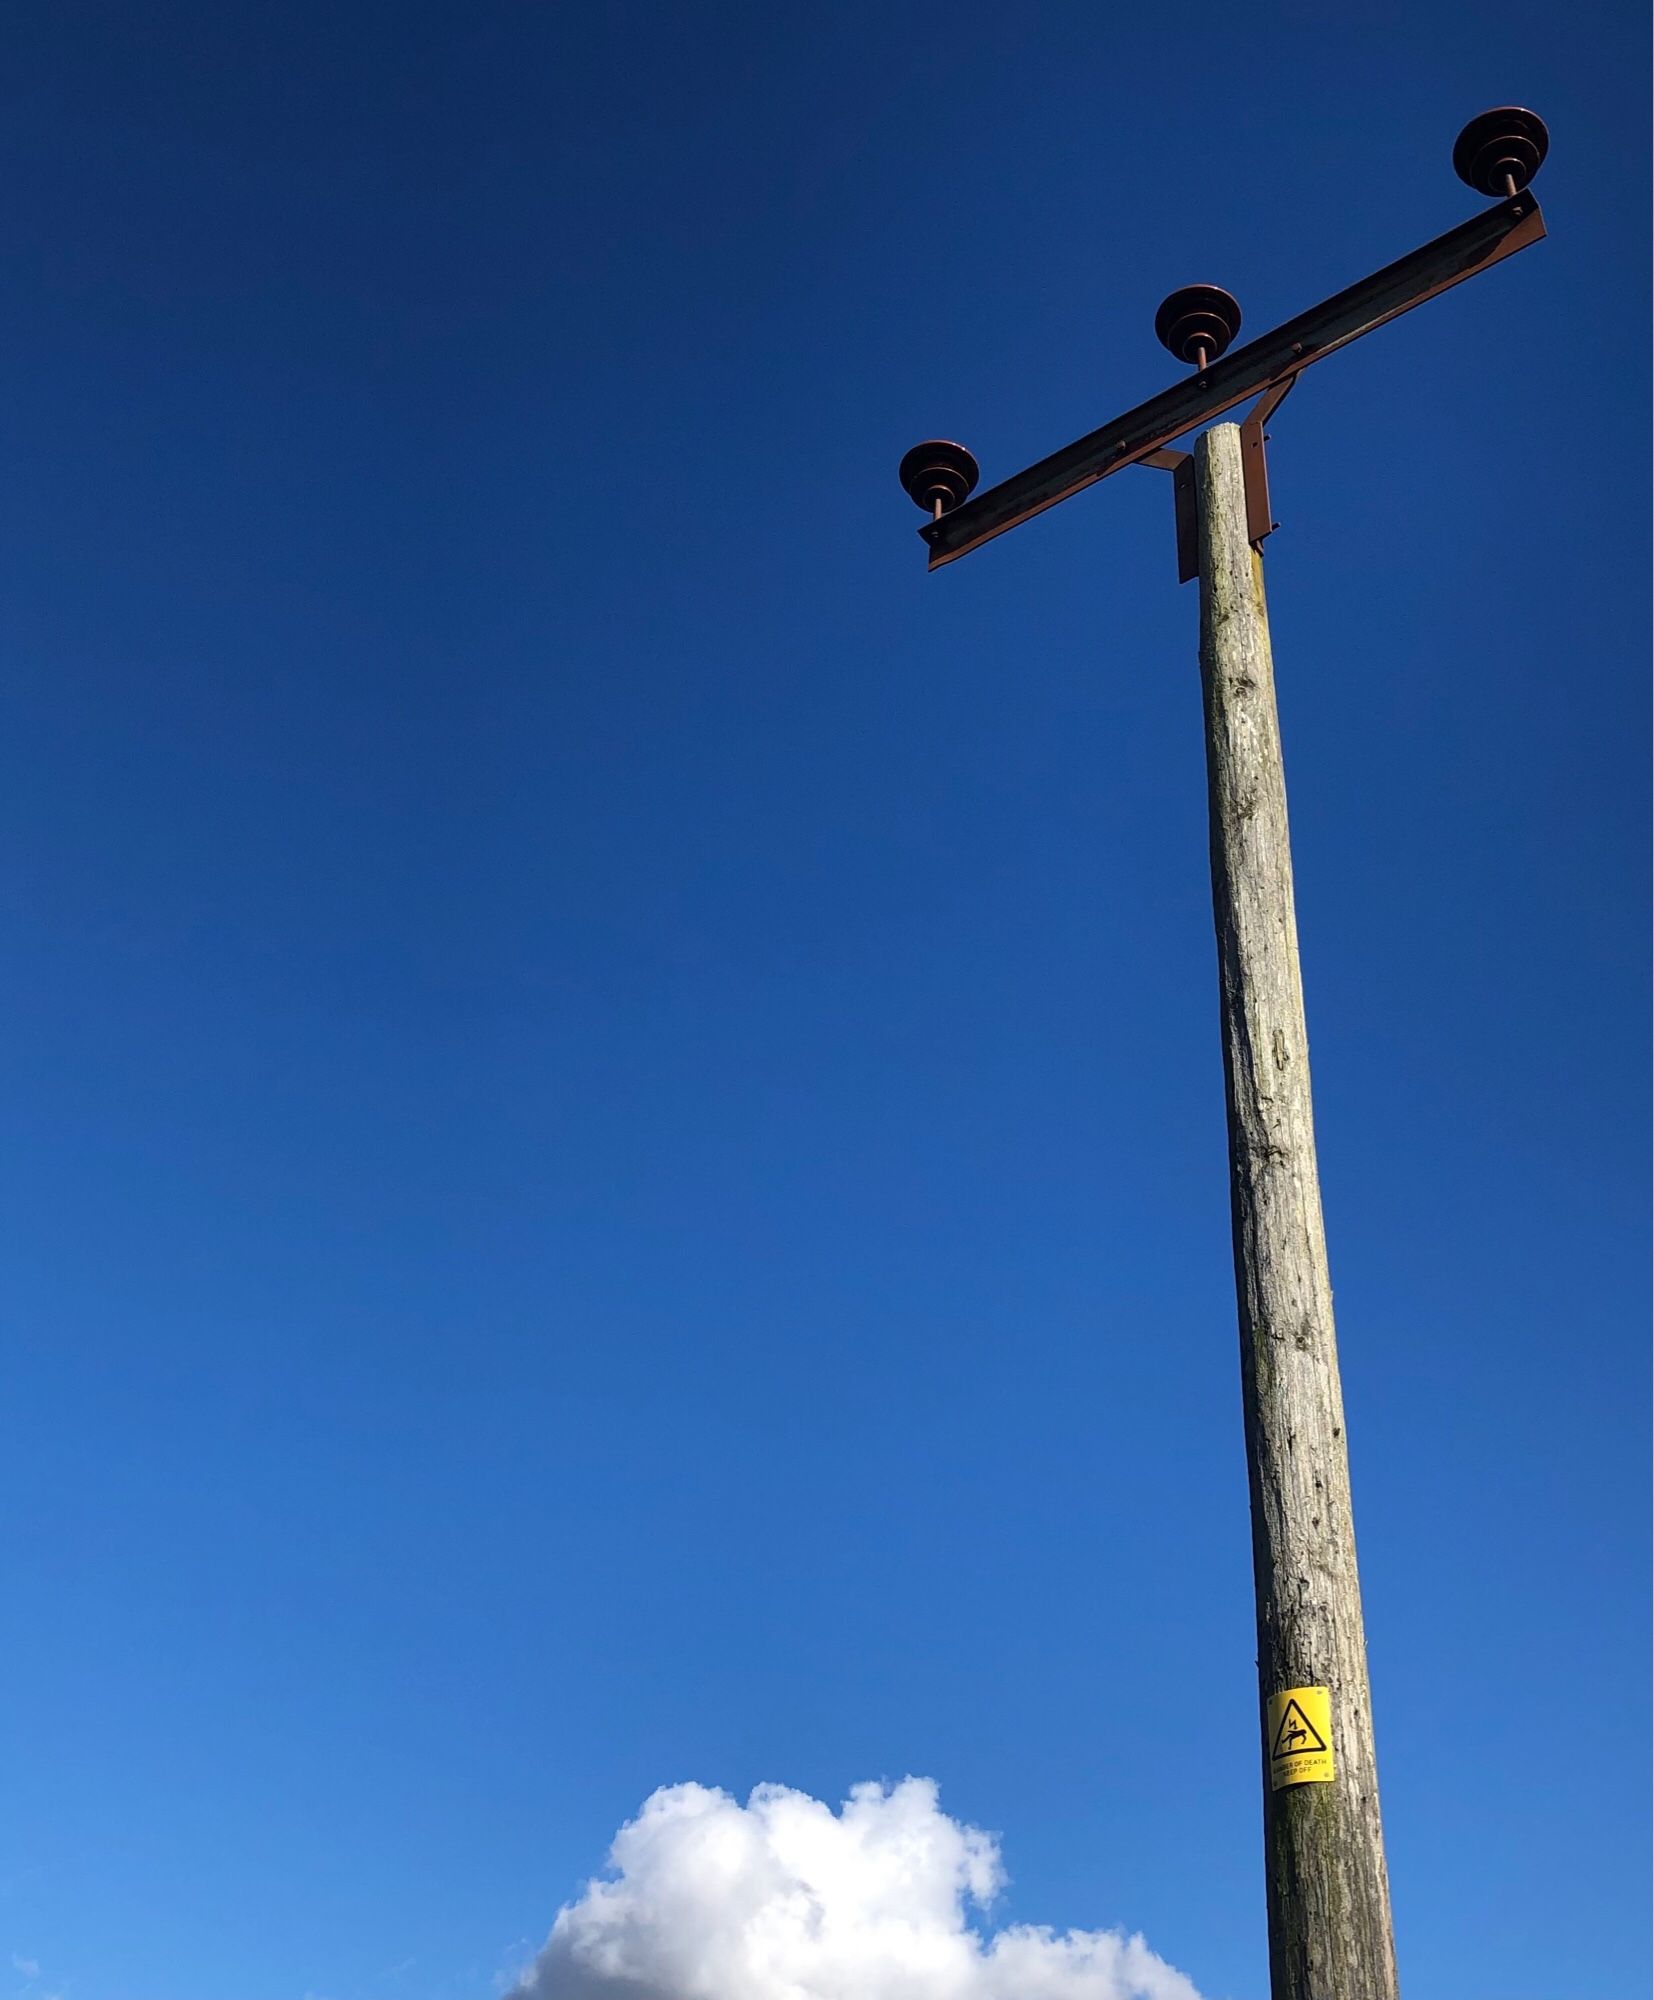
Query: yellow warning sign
{"x": 1300, "y": 1738}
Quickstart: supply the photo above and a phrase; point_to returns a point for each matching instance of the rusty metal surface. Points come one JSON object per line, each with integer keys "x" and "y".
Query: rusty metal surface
{"x": 1181, "y": 465}
{"x": 1187, "y": 517}
{"x": 1264, "y": 363}
{"x": 1260, "y": 517}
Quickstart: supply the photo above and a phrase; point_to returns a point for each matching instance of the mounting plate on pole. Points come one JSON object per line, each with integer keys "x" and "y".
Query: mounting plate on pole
{"x": 1254, "y": 468}
{"x": 1260, "y": 520}
{"x": 1181, "y": 465}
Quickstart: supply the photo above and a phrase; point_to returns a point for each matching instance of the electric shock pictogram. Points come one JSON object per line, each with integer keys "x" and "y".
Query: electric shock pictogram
{"x": 1299, "y": 1734}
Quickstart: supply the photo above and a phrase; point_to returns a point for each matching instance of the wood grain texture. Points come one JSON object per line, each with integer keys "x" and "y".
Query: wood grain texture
{"x": 1328, "y": 1891}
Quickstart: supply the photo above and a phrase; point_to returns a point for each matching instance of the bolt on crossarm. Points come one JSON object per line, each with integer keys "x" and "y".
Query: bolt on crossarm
{"x": 1326, "y": 1886}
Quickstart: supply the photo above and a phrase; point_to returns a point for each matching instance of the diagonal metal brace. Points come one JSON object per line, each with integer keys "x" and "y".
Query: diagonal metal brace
{"x": 1260, "y": 520}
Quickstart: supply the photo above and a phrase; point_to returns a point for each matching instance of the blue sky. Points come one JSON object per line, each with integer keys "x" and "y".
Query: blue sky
{"x": 615, "y": 1147}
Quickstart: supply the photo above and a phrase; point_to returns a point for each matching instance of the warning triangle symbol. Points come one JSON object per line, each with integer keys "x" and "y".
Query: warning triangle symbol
{"x": 1297, "y": 1735}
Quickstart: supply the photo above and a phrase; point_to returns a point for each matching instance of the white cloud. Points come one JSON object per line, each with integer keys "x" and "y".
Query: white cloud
{"x": 784, "y": 1899}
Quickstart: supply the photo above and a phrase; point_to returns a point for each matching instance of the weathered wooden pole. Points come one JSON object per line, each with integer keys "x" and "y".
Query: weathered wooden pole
{"x": 1327, "y": 1888}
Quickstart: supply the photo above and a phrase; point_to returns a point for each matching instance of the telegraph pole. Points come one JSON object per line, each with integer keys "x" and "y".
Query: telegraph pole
{"x": 1328, "y": 1893}
{"x": 1326, "y": 1885}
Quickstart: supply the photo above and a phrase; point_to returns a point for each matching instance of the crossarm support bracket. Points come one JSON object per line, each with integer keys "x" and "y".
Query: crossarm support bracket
{"x": 1255, "y": 466}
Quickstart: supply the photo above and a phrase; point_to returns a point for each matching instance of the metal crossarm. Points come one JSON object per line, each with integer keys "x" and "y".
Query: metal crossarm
{"x": 1263, "y": 363}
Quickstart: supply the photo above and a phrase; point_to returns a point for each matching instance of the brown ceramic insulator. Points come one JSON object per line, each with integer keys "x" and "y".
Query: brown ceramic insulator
{"x": 1499, "y": 152}
{"x": 938, "y": 471}
{"x": 1197, "y": 323}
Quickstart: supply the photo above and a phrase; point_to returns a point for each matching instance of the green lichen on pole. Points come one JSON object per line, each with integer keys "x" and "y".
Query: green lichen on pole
{"x": 1328, "y": 1890}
